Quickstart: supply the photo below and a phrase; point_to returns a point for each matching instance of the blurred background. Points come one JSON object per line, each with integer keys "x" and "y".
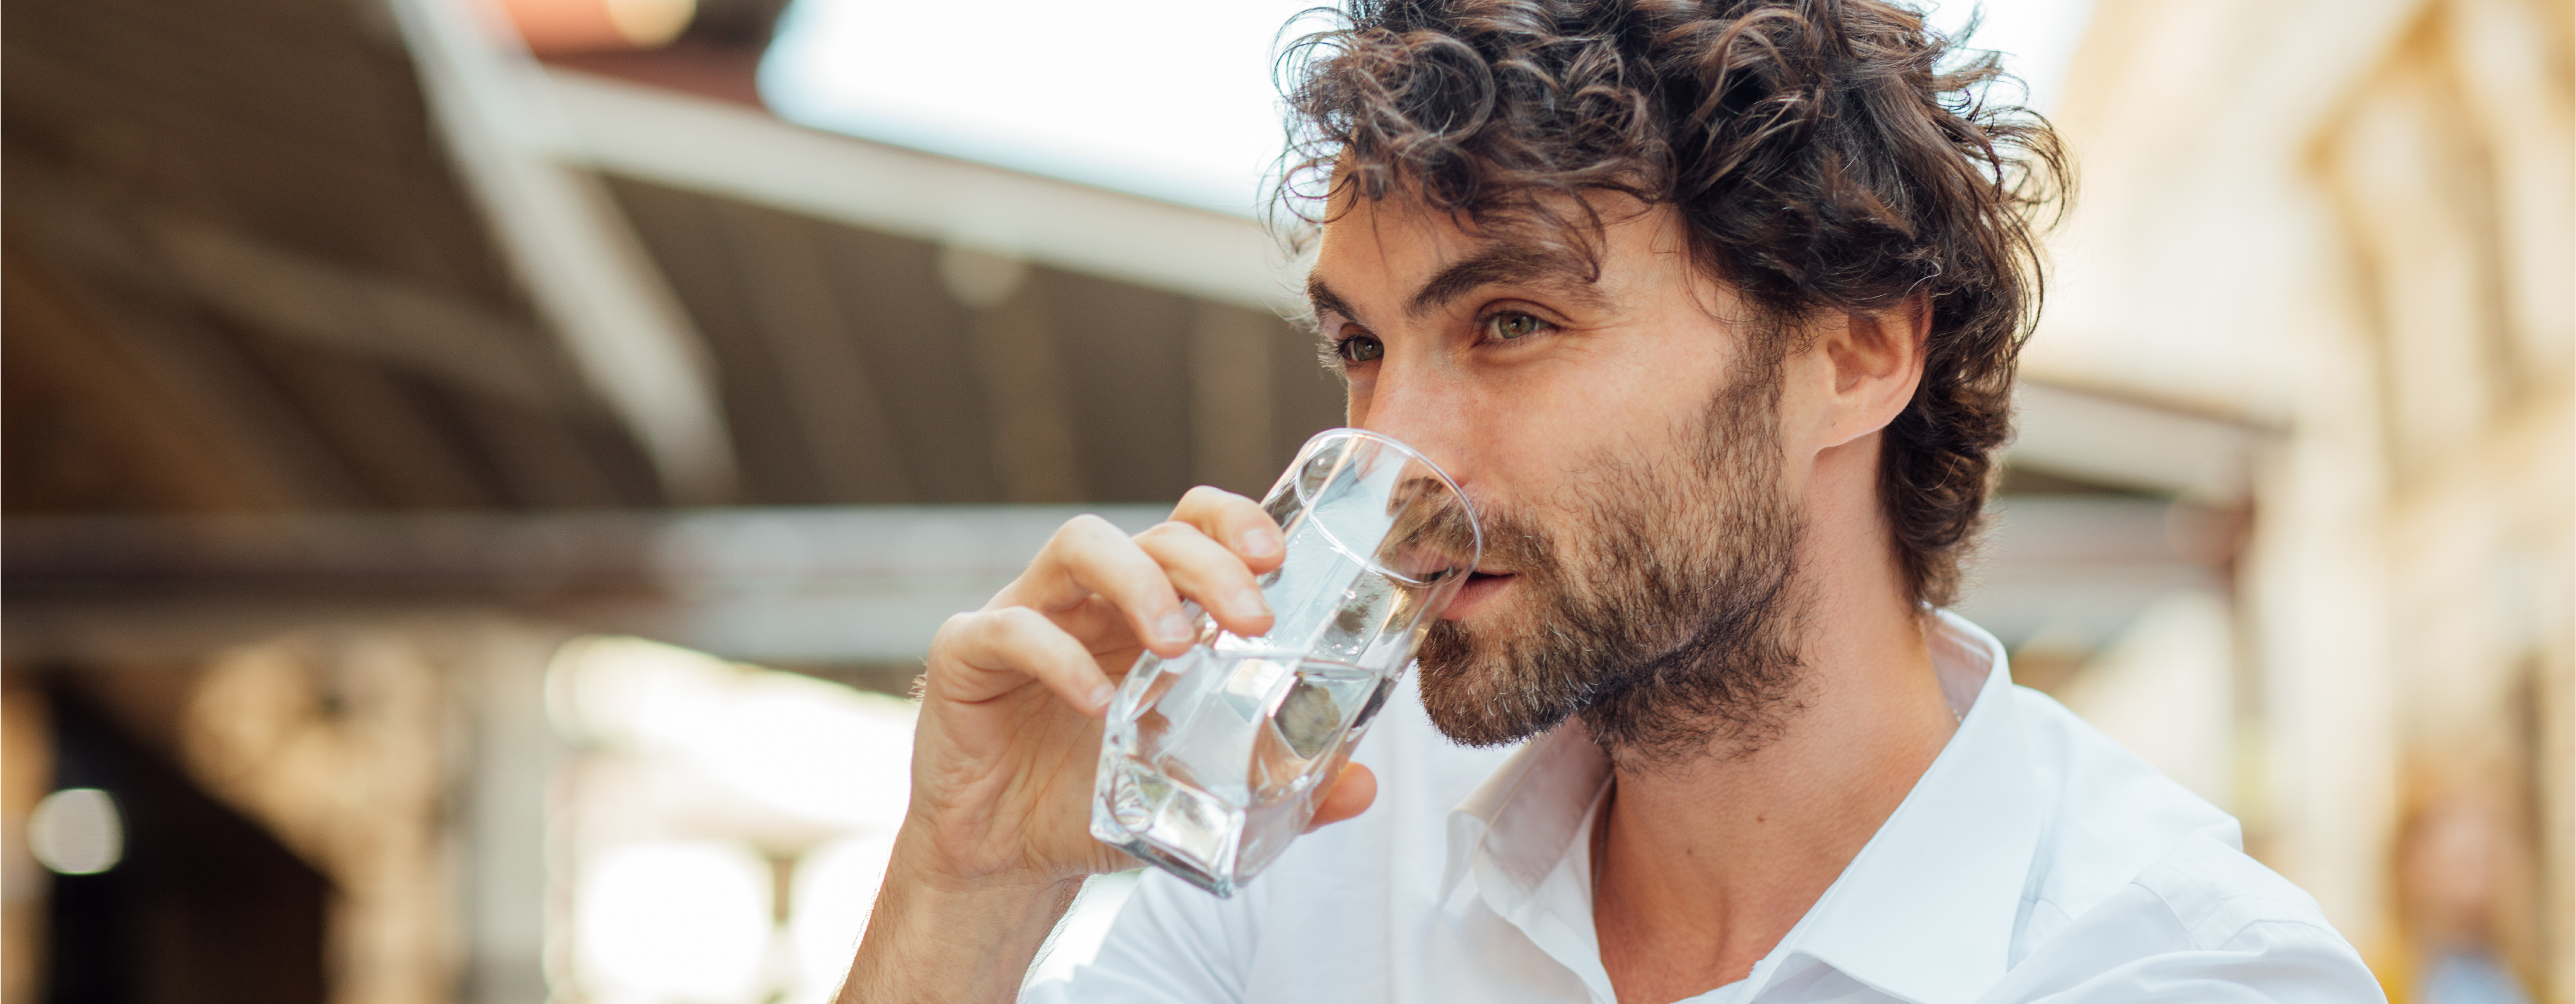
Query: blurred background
{"x": 479, "y": 475}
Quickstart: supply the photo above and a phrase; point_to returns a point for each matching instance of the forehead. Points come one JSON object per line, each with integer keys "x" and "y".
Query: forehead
{"x": 1398, "y": 252}
{"x": 1400, "y": 229}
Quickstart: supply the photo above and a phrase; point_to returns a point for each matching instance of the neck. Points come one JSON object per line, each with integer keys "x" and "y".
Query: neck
{"x": 1705, "y": 863}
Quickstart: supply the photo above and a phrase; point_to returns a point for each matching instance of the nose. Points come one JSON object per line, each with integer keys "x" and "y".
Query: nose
{"x": 1426, "y": 406}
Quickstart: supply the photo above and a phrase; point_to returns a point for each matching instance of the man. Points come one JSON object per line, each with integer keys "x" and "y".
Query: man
{"x": 1712, "y": 310}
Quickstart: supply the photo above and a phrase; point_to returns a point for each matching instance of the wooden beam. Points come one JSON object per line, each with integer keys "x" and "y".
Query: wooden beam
{"x": 376, "y": 317}
{"x": 86, "y": 430}
{"x": 99, "y": 265}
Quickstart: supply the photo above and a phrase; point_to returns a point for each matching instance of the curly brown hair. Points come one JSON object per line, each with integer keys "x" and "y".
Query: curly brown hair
{"x": 1819, "y": 152}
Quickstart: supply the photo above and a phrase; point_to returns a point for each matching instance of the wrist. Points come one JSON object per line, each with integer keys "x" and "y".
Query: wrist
{"x": 972, "y": 862}
{"x": 937, "y": 935}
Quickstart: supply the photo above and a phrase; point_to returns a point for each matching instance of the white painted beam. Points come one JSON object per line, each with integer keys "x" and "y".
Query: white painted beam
{"x": 2120, "y": 441}
{"x": 584, "y": 269}
{"x": 697, "y": 144}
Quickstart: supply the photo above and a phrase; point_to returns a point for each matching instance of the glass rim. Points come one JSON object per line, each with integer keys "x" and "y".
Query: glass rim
{"x": 1475, "y": 525}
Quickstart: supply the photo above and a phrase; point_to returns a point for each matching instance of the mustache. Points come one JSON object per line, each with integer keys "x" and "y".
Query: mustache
{"x": 1435, "y": 536}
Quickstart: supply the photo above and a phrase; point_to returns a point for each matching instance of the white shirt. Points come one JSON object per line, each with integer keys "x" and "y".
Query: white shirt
{"x": 2035, "y": 860}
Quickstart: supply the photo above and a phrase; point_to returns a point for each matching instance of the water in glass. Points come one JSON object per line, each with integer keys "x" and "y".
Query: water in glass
{"x": 1214, "y": 761}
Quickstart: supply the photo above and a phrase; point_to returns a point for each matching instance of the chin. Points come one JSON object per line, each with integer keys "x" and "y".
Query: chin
{"x": 1470, "y": 689}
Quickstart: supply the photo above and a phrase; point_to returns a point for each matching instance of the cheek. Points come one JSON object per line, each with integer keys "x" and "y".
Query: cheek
{"x": 1551, "y": 443}
{"x": 1533, "y": 433}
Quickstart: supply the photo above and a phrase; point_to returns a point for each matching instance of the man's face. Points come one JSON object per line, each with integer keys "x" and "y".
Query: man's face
{"x": 1619, "y": 436}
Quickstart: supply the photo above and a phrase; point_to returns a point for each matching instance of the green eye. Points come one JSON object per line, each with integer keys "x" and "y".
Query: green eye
{"x": 1361, "y": 348}
{"x": 1510, "y": 326}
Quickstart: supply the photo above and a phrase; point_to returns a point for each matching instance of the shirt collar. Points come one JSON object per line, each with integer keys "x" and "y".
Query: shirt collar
{"x": 1515, "y": 828}
{"x": 1924, "y": 912}
{"x": 1525, "y": 833}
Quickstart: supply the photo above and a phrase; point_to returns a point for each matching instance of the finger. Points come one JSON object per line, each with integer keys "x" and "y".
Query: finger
{"x": 1237, "y": 522}
{"x": 993, "y": 652}
{"x": 1206, "y": 571}
{"x": 1088, "y": 557}
{"x": 1101, "y": 626}
{"x": 1351, "y": 795}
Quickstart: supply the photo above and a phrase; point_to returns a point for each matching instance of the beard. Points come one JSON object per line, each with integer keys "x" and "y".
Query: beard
{"x": 1662, "y": 607}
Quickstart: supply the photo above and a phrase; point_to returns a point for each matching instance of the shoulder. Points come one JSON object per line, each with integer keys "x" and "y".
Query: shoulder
{"x": 2106, "y": 815}
{"x": 2139, "y": 882}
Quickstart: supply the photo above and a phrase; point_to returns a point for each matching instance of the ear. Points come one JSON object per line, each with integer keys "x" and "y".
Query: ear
{"x": 1874, "y": 360}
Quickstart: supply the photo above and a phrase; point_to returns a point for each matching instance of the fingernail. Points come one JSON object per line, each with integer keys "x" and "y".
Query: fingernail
{"x": 1174, "y": 628}
{"x": 1100, "y": 695}
{"x": 1258, "y": 542}
{"x": 1251, "y": 603}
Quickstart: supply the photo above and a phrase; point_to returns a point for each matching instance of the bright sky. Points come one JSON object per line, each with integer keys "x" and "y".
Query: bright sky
{"x": 1171, "y": 99}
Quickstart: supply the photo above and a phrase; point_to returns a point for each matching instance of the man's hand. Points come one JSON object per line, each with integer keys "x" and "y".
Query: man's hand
{"x": 997, "y": 837}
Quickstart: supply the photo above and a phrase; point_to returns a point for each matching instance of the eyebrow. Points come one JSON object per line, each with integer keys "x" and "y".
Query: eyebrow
{"x": 1502, "y": 263}
{"x": 1324, "y": 300}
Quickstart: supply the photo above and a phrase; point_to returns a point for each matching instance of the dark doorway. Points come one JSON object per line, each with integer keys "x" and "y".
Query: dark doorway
{"x": 203, "y": 906}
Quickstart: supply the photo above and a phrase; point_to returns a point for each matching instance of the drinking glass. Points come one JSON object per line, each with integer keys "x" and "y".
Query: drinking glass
{"x": 1213, "y": 761}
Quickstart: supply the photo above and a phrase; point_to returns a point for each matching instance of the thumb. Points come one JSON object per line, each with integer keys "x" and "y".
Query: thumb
{"x": 1351, "y": 795}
